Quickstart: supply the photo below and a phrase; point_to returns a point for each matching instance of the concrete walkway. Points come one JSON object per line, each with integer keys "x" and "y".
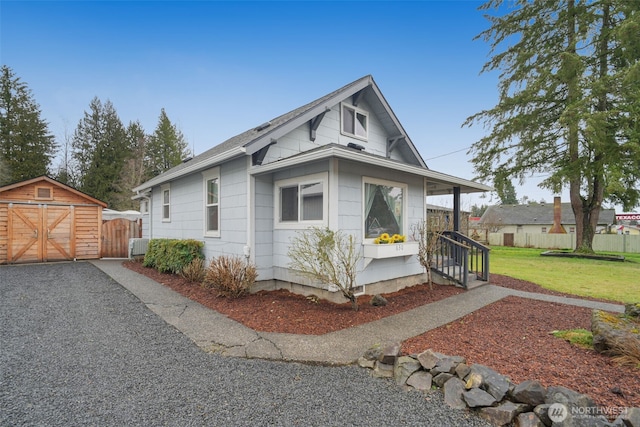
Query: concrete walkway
{"x": 213, "y": 331}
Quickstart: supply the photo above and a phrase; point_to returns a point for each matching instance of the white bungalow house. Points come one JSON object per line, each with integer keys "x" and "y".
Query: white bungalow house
{"x": 343, "y": 161}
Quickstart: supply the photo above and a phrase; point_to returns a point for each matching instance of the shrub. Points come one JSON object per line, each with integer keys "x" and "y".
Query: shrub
{"x": 230, "y": 276}
{"x": 172, "y": 255}
{"x": 327, "y": 256}
{"x": 626, "y": 351}
{"x": 194, "y": 271}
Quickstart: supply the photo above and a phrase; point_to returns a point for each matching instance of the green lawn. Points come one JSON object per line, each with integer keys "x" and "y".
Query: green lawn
{"x": 616, "y": 281}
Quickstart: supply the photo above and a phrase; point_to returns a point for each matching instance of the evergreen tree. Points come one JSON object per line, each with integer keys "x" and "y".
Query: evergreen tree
{"x": 167, "y": 147}
{"x": 506, "y": 191}
{"x": 26, "y": 146}
{"x": 569, "y": 96}
{"x": 133, "y": 171}
{"x": 99, "y": 151}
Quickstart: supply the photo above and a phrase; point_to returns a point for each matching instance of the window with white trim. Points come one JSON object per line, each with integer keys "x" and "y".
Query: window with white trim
{"x": 385, "y": 207}
{"x": 166, "y": 203}
{"x": 355, "y": 122}
{"x": 301, "y": 200}
{"x": 144, "y": 206}
{"x": 211, "y": 181}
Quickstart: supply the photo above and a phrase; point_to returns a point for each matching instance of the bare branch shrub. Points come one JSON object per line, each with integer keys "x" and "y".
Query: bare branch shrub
{"x": 427, "y": 234}
{"x": 328, "y": 256}
{"x": 230, "y": 276}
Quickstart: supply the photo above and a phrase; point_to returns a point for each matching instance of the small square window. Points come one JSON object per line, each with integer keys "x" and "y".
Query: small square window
{"x": 301, "y": 201}
{"x": 354, "y": 122}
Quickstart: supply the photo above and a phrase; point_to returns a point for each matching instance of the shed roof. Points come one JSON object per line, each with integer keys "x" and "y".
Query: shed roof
{"x": 52, "y": 181}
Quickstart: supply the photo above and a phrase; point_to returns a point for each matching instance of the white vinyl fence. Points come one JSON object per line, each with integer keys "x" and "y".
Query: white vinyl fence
{"x": 601, "y": 242}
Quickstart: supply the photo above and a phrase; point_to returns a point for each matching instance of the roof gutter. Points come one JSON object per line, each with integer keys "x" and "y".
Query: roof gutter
{"x": 370, "y": 160}
{"x": 170, "y": 175}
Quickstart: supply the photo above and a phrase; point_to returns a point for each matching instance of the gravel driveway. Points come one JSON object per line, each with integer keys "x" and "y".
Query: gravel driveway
{"x": 78, "y": 349}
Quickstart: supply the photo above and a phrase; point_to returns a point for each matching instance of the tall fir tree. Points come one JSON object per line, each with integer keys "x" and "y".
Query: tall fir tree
{"x": 100, "y": 149}
{"x": 133, "y": 171}
{"x": 166, "y": 148}
{"x": 566, "y": 102}
{"x": 26, "y": 145}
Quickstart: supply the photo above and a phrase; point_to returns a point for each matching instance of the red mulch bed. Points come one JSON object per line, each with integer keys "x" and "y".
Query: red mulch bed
{"x": 511, "y": 336}
{"x": 286, "y": 312}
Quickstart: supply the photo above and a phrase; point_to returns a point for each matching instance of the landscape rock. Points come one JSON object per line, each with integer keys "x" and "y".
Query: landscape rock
{"x": 378, "y": 301}
{"x": 446, "y": 365}
{"x": 489, "y": 380}
{"x": 530, "y": 391}
{"x": 476, "y": 398}
{"x": 631, "y": 418}
{"x": 442, "y": 378}
{"x": 420, "y": 380}
{"x": 528, "y": 419}
{"x": 374, "y": 353}
{"x": 429, "y": 358}
{"x": 453, "y": 390}
{"x": 632, "y": 309}
{"x": 568, "y": 397}
{"x": 363, "y": 362}
{"x": 390, "y": 354}
{"x": 382, "y": 370}
{"x": 462, "y": 370}
{"x": 609, "y": 329}
{"x": 504, "y": 413}
{"x": 542, "y": 412}
{"x": 404, "y": 367}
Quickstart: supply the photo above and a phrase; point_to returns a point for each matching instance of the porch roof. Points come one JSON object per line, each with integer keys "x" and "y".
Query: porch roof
{"x": 438, "y": 183}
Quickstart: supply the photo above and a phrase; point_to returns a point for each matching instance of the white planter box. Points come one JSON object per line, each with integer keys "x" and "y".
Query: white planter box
{"x": 373, "y": 251}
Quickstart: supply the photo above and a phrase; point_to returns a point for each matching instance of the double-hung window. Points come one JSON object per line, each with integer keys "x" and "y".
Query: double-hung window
{"x": 301, "y": 201}
{"x": 166, "y": 203}
{"x": 385, "y": 207}
{"x": 355, "y": 122}
{"x": 211, "y": 181}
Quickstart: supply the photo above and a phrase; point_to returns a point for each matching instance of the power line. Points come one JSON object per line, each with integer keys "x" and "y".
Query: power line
{"x": 448, "y": 154}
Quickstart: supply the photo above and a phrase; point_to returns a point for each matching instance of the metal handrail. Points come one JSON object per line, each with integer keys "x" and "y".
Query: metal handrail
{"x": 457, "y": 255}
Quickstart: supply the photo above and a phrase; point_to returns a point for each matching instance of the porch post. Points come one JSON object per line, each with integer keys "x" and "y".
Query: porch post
{"x": 456, "y": 209}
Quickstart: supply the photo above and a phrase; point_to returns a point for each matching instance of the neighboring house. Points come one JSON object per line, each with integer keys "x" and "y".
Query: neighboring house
{"x": 343, "y": 161}
{"x": 536, "y": 218}
{"x": 42, "y": 219}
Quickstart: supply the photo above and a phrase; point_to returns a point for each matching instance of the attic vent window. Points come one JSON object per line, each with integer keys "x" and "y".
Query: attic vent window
{"x": 355, "y": 122}
{"x": 44, "y": 193}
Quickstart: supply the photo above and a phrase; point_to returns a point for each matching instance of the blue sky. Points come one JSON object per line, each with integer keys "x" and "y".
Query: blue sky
{"x": 220, "y": 68}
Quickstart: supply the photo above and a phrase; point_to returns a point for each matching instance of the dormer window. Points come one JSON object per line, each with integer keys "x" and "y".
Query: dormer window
{"x": 355, "y": 122}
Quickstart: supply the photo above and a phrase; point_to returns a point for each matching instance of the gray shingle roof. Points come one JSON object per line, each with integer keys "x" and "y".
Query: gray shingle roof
{"x": 537, "y": 214}
{"x": 246, "y": 138}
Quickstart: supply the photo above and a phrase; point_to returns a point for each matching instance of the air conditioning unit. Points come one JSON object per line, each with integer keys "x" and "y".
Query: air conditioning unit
{"x": 138, "y": 247}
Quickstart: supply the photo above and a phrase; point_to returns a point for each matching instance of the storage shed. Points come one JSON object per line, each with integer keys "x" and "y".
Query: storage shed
{"x": 42, "y": 219}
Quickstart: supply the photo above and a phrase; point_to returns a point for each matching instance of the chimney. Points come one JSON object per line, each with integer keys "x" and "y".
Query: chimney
{"x": 557, "y": 218}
